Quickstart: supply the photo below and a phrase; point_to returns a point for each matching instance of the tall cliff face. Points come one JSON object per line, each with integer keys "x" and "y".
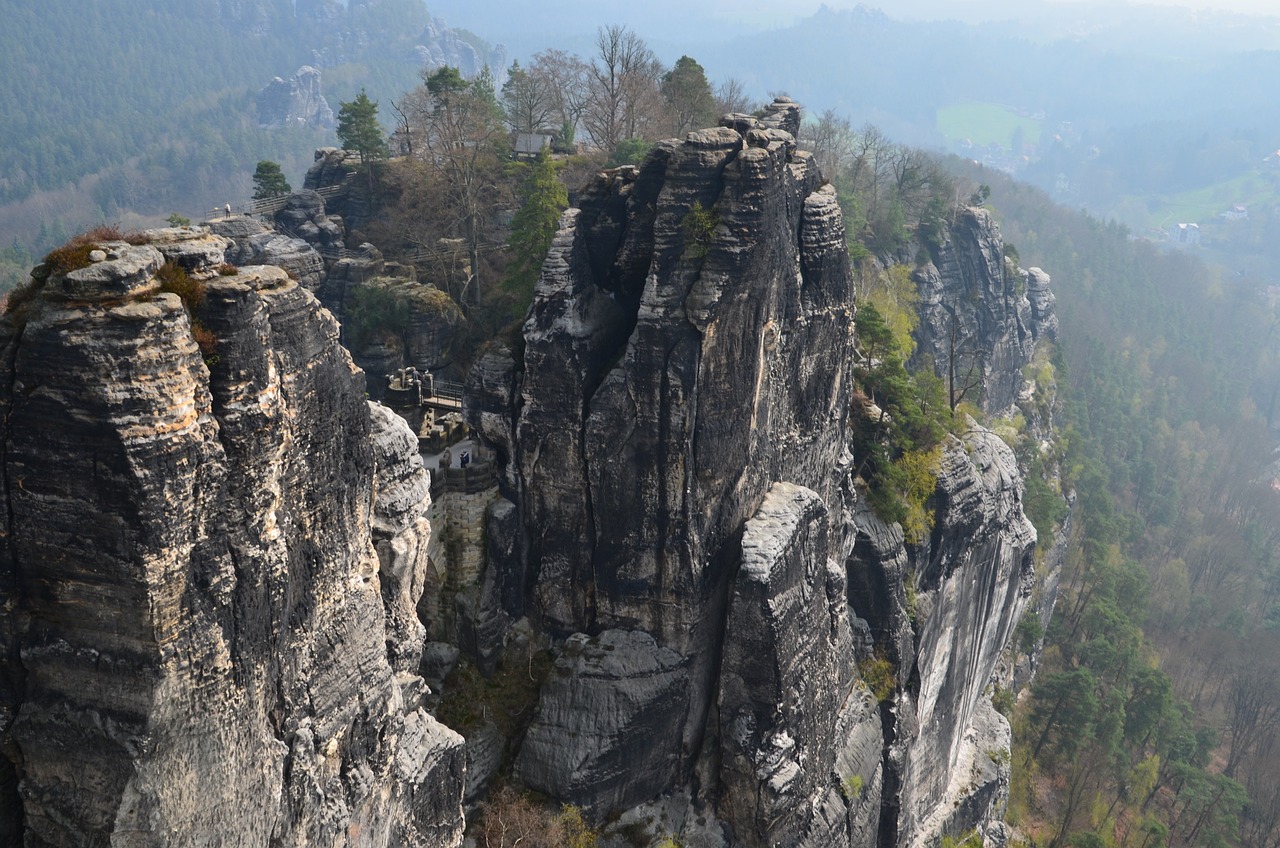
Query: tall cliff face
{"x": 673, "y": 428}
{"x": 981, "y": 315}
{"x": 201, "y": 636}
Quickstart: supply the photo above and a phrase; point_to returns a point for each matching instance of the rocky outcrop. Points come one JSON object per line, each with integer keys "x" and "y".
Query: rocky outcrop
{"x": 253, "y": 243}
{"x": 303, "y": 217}
{"x": 689, "y": 346}
{"x": 767, "y": 656}
{"x": 438, "y": 46}
{"x": 972, "y": 584}
{"x": 294, "y": 102}
{"x": 744, "y": 653}
{"x": 619, "y": 749}
{"x": 355, "y": 204}
{"x": 978, "y": 325}
{"x": 363, "y": 263}
{"x": 331, "y": 167}
{"x": 202, "y": 638}
{"x": 393, "y": 322}
{"x": 801, "y": 739}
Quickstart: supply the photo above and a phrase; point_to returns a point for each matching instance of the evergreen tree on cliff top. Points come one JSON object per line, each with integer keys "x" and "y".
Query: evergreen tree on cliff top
{"x": 690, "y": 103}
{"x": 359, "y": 130}
{"x": 269, "y": 181}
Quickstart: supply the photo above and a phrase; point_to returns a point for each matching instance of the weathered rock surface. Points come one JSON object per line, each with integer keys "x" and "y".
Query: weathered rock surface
{"x": 363, "y": 263}
{"x": 425, "y": 331}
{"x": 331, "y": 167}
{"x": 673, "y": 440}
{"x": 303, "y": 217}
{"x": 600, "y": 734}
{"x": 676, "y": 509}
{"x": 972, "y": 588}
{"x": 294, "y": 102}
{"x": 254, "y": 243}
{"x": 975, "y": 311}
{"x": 196, "y": 639}
{"x": 800, "y": 738}
{"x": 675, "y": 366}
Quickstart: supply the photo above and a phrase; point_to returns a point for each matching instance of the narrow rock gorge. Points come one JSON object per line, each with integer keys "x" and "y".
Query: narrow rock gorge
{"x": 232, "y": 607}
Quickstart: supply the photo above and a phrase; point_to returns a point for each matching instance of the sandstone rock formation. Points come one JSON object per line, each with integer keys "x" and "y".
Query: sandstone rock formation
{"x": 438, "y": 45}
{"x": 976, "y": 309}
{"x": 254, "y": 243}
{"x": 294, "y": 102}
{"x": 304, "y": 217}
{"x": 744, "y": 653}
{"x": 673, "y": 439}
{"x": 210, "y": 561}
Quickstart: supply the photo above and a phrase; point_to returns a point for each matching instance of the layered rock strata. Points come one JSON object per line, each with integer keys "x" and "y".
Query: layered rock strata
{"x": 672, "y": 436}
{"x": 980, "y": 315}
{"x": 254, "y": 243}
{"x": 202, "y": 641}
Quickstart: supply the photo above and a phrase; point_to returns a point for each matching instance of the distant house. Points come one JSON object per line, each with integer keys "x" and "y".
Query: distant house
{"x": 1237, "y": 212}
{"x": 1188, "y": 234}
{"x": 528, "y": 145}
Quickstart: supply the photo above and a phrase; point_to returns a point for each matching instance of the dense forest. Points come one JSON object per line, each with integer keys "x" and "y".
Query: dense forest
{"x": 117, "y": 126}
{"x": 1153, "y": 720}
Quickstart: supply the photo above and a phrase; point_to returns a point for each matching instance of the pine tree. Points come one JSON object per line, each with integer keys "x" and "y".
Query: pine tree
{"x": 269, "y": 181}
{"x": 543, "y": 198}
{"x": 358, "y": 129}
{"x": 687, "y": 92}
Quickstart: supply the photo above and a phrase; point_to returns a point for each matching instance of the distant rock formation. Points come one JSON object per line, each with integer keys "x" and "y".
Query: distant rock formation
{"x": 439, "y": 46}
{"x": 209, "y": 570}
{"x": 295, "y": 102}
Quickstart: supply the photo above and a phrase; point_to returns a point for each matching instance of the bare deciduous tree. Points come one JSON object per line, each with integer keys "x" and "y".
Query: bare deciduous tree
{"x": 528, "y": 100}
{"x": 731, "y": 96}
{"x": 566, "y": 76}
{"x": 624, "y": 100}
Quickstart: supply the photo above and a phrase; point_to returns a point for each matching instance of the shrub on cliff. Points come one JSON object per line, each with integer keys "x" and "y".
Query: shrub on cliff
{"x": 173, "y": 278}
{"x": 371, "y": 311}
{"x": 896, "y": 441}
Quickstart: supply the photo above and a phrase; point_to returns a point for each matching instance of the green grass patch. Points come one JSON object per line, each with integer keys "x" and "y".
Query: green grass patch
{"x": 985, "y": 123}
{"x": 1256, "y": 190}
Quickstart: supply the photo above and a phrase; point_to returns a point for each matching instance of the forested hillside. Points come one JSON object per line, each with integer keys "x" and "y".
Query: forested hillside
{"x": 1155, "y": 716}
{"x": 118, "y": 107}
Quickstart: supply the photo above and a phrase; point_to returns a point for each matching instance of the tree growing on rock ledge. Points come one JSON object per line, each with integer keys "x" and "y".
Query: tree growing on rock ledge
{"x": 359, "y": 130}
{"x": 269, "y": 181}
{"x": 543, "y": 197}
